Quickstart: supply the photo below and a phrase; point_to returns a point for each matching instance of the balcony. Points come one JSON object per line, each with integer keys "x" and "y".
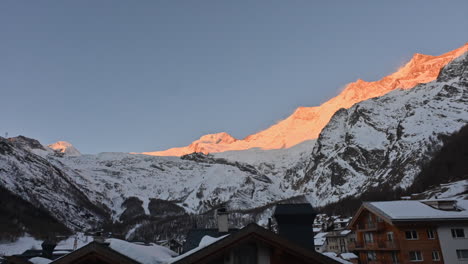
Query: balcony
{"x": 375, "y": 245}
{"x": 376, "y": 226}
{"x": 388, "y": 245}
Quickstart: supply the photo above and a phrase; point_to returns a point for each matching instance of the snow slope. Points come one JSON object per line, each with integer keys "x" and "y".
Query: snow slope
{"x": 387, "y": 139}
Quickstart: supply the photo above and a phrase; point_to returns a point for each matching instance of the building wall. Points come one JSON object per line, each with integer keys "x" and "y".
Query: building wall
{"x": 450, "y": 245}
{"x": 401, "y": 247}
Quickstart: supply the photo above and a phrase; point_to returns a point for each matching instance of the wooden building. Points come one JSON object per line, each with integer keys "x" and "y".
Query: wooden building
{"x": 400, "y": 232}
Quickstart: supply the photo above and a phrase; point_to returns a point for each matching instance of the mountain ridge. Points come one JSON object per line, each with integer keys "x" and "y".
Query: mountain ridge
{"x": 305, "y": 123}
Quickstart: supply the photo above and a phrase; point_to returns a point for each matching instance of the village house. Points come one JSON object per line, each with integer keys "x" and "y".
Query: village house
{"x": 338, "y": 241}
{"x": 408, "y": 231}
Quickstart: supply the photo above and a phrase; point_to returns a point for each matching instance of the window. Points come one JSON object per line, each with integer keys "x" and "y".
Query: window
{"x": 379, "y": 219}
{"x": 462, "y": 254}
{"x": 458, "y": 233}
{"x": 371, "y": 256}
{"x": 415, "y": 256}
{"x": 368, "y": 237}
{"x": 390, "y": 236}
{"x": 430, "y": 233}
{"x": 435, "y": 255}
{"x": 411, "y": 235}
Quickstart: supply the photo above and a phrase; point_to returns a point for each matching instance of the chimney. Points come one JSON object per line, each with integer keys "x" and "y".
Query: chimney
{"x": 295, "y": 223}
{"x": 99, "y": 238}
{"x": 222, "y": 218}
{"x": 48, "y": 247}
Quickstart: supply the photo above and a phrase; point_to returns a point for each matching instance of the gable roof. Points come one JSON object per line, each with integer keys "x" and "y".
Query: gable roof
{"x": 100, "y": 249}
{"x": 412, "y": 210}
{"x": 253, "y": 232}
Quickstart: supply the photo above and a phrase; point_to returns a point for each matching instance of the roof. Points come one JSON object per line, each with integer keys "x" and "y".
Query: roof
{"x": 294, "y": 209}
{"x": 413, "y": 210}
{"x": 320, "y": 238}
{"x": 338, "y": 233}
{"x": 194, "y": 236}
{"x": 416, "y": 210}
{"x": 96, "y": 248}
{"x": 248, "y": 233}
{"x": 348, "y": 256}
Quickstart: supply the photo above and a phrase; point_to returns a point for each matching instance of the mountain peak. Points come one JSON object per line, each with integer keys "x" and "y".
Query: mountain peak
{"x": 306, "y": 123}
{"x": 217, "y": 138}
{"x": 65, "y": 148}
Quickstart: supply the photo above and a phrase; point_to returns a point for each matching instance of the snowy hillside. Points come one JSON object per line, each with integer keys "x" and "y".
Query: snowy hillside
{"x": 36, "y": 180}
{"x": 386, "y": 139}
{"x": 196, "y": 185}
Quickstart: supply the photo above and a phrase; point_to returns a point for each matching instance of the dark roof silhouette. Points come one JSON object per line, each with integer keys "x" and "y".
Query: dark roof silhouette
{"x": 294, "y": 209}
{"x": 254, "y": 232}
{"x": 194, "y": 236}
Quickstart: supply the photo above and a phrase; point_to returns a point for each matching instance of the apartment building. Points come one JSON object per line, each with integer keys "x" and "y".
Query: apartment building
{"x": 411, "y": 231}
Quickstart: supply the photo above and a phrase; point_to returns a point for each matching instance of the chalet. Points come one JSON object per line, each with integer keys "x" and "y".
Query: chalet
{"x": 408, "y": 231}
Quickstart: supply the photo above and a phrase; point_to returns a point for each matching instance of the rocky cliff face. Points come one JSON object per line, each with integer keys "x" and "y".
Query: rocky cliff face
{"x": 33, "y": 178}
{"x": 307, "y": 122}
{"x": 386, "y": 139}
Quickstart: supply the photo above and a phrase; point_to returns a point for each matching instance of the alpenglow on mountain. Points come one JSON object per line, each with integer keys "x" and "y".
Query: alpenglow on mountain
{"x": 307, "y": 122}
{"x": 382, "y": 141}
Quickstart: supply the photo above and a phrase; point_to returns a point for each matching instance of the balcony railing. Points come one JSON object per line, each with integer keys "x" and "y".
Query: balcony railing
{"x": 375, "y": 245}
{"x": 388, "y": 245}
{"x": 370, "y": 226}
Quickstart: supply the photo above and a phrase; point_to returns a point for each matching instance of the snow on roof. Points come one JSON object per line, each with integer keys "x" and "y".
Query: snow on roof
{"x": 348, "y": 256}
{"x": 345, "y": 232}
{"x": 316, "y": 229}
{"x": 333, "y": 255}
{"x": 412, "y": 209}
{"x": 320, "y": 238}
{"x": 152, "y": 254}
{"x": 343, "y": 220}
{"x": 39, "y": 260}
{"x": 204, "y": 242}
{"x": 321, "y": 234}
{"x": 319, "y": 241}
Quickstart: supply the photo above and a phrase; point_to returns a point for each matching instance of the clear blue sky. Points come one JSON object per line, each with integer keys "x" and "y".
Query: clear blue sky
{"x": 149, "y": 75}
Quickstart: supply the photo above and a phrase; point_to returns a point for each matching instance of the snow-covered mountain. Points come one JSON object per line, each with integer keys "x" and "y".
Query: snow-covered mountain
{"x": 376, "y": 141}
{"x": 26, "y": 170}
{"x": 386, "y": 139}
{"x": 65, "y": 148}
{"x": 307, "y": 122}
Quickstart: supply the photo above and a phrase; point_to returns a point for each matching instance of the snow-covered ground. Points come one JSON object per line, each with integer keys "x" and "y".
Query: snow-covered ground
{"x": 26, "y": 242}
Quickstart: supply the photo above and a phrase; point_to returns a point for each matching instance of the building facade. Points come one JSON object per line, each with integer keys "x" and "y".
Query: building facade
{"x": 454, "y": 243}
{"x": 400, "y": 232}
